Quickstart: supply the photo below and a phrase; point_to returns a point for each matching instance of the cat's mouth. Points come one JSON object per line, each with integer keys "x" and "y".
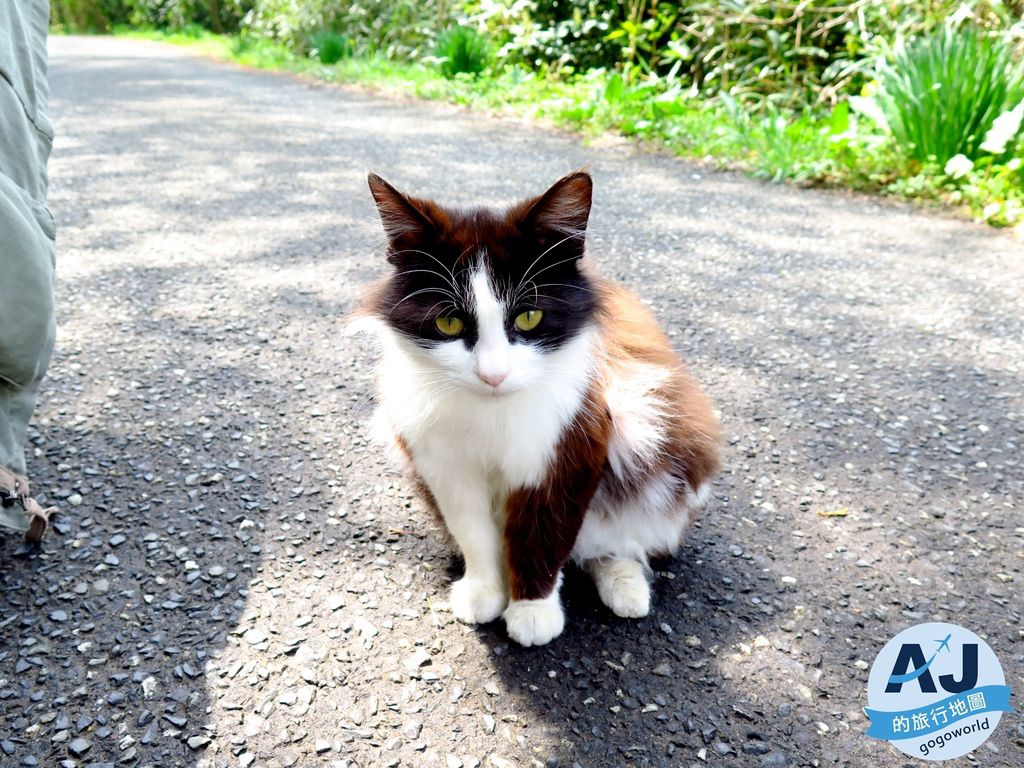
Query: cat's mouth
{"x": 493, "y": 393}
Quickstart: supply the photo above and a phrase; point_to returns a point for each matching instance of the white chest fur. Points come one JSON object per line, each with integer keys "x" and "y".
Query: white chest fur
{"x": 453, "y": 431}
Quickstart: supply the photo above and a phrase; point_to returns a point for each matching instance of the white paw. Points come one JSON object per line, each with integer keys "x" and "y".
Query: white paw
{"x": 535, "y": 622}
{"x": 476, "y": 601}
{"x": 622, "y": 586}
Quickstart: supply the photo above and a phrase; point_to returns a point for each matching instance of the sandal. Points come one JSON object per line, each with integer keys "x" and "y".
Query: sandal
{"x": 31, "y": 518}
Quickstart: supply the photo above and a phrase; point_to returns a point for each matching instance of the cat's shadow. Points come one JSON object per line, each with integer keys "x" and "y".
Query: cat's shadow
{"x": 614, "y": 691}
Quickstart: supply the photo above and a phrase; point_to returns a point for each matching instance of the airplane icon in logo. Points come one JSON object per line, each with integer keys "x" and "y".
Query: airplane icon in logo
{"x": 900, "y": 679}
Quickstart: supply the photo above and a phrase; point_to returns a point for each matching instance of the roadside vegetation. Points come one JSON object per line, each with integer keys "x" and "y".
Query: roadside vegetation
{"x": 917, "y": 98}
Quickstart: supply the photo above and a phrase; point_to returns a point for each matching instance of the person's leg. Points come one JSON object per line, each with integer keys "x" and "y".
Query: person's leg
{"x": 26, "y": 248}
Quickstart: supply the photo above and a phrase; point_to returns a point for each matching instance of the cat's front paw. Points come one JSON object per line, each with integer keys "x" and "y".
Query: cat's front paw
{"x": 535, "y": 622}
{"x": 475, "y": 601}
{"x": 622, "y": 586}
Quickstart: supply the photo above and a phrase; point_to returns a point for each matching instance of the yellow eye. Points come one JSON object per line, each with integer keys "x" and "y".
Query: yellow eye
{"x": 529, "y": 320}
{"x": 450, "y": 326}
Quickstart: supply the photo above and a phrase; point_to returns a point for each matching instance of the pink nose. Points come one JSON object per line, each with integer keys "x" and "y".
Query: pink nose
{"x": 493, "y": 379}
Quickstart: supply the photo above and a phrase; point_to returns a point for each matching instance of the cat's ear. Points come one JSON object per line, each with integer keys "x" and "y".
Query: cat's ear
{"x": 403, "y": 222}
{"x": 564, "y": 209}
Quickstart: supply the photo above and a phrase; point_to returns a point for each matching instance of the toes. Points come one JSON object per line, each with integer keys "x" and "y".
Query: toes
{"x": 476, "y": 601}
{"x": 622, "y": 586}
{"x": 534, "y": 622}
{"x": 629, "y": 601}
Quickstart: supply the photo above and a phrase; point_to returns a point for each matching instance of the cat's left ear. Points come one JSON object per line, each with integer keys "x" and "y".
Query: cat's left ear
{"x": 564, "y": 209}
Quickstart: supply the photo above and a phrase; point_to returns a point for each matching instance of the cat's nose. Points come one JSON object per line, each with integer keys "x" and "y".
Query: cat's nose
{"x": 492, "y": 379}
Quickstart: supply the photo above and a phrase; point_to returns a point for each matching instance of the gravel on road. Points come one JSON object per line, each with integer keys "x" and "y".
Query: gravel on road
{"x": 241, "y": 579}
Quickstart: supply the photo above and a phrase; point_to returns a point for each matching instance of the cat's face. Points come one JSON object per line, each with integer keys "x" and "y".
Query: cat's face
{"x": 487, "y": 298}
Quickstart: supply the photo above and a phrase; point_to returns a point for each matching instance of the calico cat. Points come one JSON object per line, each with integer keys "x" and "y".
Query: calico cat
{"x": 538, "y": 407}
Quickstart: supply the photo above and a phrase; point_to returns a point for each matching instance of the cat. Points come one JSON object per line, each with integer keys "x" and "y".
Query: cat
{"x": 539, "y": 409}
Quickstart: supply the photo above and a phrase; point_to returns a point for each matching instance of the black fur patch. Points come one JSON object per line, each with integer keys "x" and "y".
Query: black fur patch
{"x": 531, "y": 253}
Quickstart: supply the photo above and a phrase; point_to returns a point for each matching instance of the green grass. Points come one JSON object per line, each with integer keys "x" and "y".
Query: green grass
{"x": 823, "y": 148}
{"x": 196, "y": 38}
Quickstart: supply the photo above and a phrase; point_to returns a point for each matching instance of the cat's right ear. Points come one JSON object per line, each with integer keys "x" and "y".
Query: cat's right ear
{"x": 404, "y": 223}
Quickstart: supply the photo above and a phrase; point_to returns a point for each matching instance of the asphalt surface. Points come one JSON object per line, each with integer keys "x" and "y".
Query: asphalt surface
{"x": 243, "y": 580}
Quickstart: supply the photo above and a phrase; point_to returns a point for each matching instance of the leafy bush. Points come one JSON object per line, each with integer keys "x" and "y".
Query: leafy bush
{"x": 216, "y": 15}
{"x": 462, "y": 49}
{"x": 943, "y": 92}
{"x": 395, "y": 29}
{"x": 571, "y": 34}
{"x": 789, "y": 52}
{"x": 101, "y": 15}
{"x": 329, "y": 47}
{"x": 87, "y": 15}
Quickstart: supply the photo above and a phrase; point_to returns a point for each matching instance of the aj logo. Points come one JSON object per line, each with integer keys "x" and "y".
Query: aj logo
{"x": 912, "y": 657}
{"x": 936, "y": 691}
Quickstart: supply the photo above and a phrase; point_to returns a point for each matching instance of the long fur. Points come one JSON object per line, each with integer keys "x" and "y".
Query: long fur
{"x": 584, "y": 438}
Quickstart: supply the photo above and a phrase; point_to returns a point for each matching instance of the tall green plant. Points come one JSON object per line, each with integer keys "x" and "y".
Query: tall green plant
{"x": 462, "y": 49}
{"x": 329, "y": 47}
{"x": 943, "y": 91}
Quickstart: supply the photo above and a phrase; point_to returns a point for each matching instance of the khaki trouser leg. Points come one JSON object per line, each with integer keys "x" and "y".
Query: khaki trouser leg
{"x": 26, "y": 247}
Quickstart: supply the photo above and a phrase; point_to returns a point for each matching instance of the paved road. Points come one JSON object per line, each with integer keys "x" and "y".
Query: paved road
{"x": 244, "y": 581}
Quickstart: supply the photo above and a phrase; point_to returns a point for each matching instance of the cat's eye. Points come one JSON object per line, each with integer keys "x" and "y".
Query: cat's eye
{"x": 450, "y": 326}
{"x": 528, "y": 320}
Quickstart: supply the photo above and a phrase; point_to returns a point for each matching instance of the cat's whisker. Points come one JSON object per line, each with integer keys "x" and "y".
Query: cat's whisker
{"x": 431, "y": 289}
{"x": 516, "y": 297}
{"x": 465, "y": 250}
{"x": 527, "y": 273}
{"x": 552, "y": 266}
{"x": 453, "y": 299}
{"x": 428, "y": 272}
{"x": 438, "y": 377}
{"x": 441, "y": 303}
{"x": 450, "y": 278}
{"x": 465, "y": 268}
{"x": 360, "y": 404}
{"x": 551, "y": 298}
{"x": 574, "y": 234}
{"x": 537, "y": 294}
{"x": 583, "y": 288}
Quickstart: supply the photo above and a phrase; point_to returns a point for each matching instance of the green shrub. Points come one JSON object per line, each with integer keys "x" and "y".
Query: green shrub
{"x": 943, "y": 91}
{"x": 462, "y": 49}
{"x": 569, "y": 34}
{"x": 790, "y": 52}
{"x": 102, "y": 15}
{"x": 329, "y": 47}
{"x": 216, "y": 15}
{"x": 87, "y": 15}
{"x": 394, "y": 29}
